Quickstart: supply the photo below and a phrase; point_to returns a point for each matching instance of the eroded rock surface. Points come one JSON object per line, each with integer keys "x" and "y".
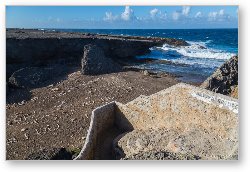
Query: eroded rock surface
{"x": 33, "y": 77}
{"x": 95, "y": 62}
{"x": 225, "y": 79}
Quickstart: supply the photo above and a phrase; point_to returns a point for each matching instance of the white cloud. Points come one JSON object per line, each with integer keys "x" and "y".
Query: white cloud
{"x": 186, "y": 10}
{"x": 221, "y": 12}
{"x": 181, "y": 14}
{"x": 198, "y": 15}
{"x": 110, "y": 17}
{"x": 218, "y": 16}
{"x": 128, "y": 14}
{"x": 212, "y": 15}
{"x": 157, "y": 14}
{"x": 154, "y": 12}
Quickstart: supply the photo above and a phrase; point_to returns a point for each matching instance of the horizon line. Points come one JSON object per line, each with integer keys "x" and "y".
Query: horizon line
{"x": 120, "y": 28}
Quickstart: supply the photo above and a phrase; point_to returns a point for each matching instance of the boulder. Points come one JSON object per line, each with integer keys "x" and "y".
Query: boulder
{"x": 95, "y": 62}
{"x": 225, "y": 79}
{"x": 33, "y": 77}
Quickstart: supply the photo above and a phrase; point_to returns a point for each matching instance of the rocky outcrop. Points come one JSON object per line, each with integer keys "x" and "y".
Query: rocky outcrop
{"x": 225, "y": 79}
{"x": 33, "y": 77}
{"x": 95, "y": 62}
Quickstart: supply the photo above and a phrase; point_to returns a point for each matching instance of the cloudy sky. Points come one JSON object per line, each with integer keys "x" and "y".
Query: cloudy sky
{"x": 122, "y": 17}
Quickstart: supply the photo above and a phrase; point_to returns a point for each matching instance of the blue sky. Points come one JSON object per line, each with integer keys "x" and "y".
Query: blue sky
{"x": 122, "y": 17}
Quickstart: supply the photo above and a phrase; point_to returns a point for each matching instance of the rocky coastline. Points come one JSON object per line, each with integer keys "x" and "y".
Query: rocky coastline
{"x": 34, "y": 47}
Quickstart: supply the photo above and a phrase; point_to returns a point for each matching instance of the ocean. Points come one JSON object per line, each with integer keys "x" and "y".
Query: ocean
{"x": 207, "y": 50}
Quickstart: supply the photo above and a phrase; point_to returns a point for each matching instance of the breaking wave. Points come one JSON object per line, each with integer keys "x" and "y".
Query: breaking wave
{"x": 198, "y": 50}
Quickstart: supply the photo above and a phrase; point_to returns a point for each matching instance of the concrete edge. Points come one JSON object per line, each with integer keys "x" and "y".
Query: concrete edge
{"x": 86, "y": 149}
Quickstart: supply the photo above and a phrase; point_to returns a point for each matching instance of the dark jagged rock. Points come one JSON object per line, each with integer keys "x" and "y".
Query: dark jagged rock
{"x": 51, "y": 154}
{"x": 94, "y": 61}
{"x": 225, "y": 79}
{"x": 32, "y": 77}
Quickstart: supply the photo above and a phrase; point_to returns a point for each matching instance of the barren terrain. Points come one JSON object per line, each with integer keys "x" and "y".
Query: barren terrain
{"x": 58, "y": 115}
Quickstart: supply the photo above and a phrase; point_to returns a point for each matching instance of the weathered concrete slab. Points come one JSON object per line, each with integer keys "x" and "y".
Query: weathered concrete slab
{"x": 181, "y": 119}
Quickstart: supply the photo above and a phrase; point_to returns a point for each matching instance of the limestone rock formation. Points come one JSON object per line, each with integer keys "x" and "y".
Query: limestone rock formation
{"x": 95, "y": 62}
{"x": 225, "y": 79}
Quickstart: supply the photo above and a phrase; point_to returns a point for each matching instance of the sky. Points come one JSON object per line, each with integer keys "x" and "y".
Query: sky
{"x": 122, "y": 17}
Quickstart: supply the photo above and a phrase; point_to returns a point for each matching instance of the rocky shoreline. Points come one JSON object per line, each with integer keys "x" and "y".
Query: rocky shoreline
{"x": 34, "y": 47}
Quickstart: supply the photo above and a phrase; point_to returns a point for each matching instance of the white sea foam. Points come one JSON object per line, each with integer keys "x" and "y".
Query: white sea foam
{"x": 198, "y": 50}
